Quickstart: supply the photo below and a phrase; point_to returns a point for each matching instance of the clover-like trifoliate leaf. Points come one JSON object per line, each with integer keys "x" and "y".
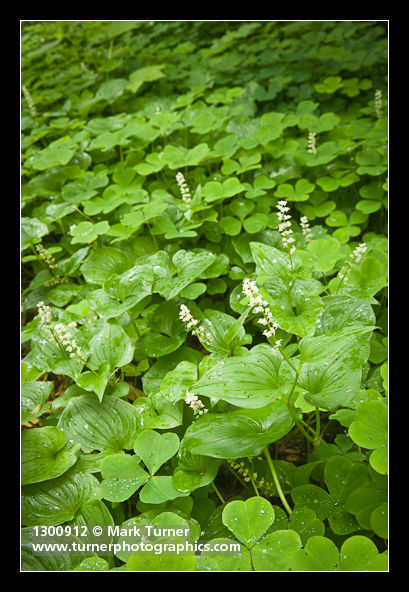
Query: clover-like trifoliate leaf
{"x": 159, "y": 489}
{"x": 274, "y": 552}
{"x": 155, "y": 449}
{"x": 370, "y": 430}
{"x": 301, "y": 191}
{"x": 122, "y": 475}
{"x": 305, "y": 522}
{"x": 341, "y": 477}
{"x": 357, "y": 553}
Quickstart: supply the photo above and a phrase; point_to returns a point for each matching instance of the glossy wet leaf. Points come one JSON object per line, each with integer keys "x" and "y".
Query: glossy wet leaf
{"x": 45, "y": 454}
{"x": 320, "y": 554}
{"x": 184, "y": 268}
{"x": 341, "y": 477}
{"x": 305, "y": 522}
{"x": 359, "y": 553}
{"x": 112, "y": 346}
{"x": 250, "y": 381}
{"x": 242, "y": 432}
{"x": 363, "y": 502}
{"x": 379, "y": 521}
{"x": 274, "y": 552}
{"x": 370, "y": 430}
{"x": 58, "y": 500}
{"x": 327, "y": 252}
{"x": 334, "y": 383}
{"x": 248, "y": 520}
{"x": 34, "y": 395}
{"x": 121, "y": 475}
{"x": 109, "y": 425}
{"x": 103, "y": 263}
{"x": 160, "y": 489}
{"x": 194, "y": 471}
{"x": 155, "y": 449}
{"x": 332, "y": 344}
{"x": 215, "y": 561}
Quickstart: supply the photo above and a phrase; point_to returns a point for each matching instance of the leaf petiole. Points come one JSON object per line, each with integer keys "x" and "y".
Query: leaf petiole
{"x": 276, "y": 481}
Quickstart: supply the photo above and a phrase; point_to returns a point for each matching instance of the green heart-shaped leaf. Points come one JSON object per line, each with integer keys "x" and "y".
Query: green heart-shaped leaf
{"x": 248, "y": 520}
{"x": 122, "y": 476}
{"x": 155, "y": 449}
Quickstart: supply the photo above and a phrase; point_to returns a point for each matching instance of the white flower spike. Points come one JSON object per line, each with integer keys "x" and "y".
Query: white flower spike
{"x": 284, "y": 227}
{"x": 250, "y": 289}
{"x": 195, "y": 403}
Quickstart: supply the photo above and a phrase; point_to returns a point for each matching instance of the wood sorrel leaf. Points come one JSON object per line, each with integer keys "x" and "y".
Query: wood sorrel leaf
{"x": 155, "y": 449}
{"x": 248, "y": 520}
{"x": 122, "y": 475}
{"x": 370, "y": 430}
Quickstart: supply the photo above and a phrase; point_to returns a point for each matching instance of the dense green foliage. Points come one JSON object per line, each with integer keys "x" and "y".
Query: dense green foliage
{"x": 204, "y": 289}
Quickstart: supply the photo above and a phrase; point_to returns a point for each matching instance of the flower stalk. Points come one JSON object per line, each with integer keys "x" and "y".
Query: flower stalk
{"x": 354, "y": 258}
{"x": 276, "y": 481}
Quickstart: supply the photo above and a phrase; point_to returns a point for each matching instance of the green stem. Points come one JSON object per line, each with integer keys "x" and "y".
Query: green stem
{"x": 317, "y": 426}
{"x": 323, "y": 430}
{"x": 308, "y": 427}
{"x": 290, "y": 409}
{"x": 254, "y": 486}
{"x": 276, "y": 481}
{"x": 339, "y": 285}
{"x": 299, "y": 426}
{"x": 83, "y": 214}
{"x": 251, "y": 477}
{"x": 287, "y": 359}
{"x": 297, "y": 373}
{"x": 291, "y": 261}
{"x": 289, "y": 297}
{"x": 219, "y": 495}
